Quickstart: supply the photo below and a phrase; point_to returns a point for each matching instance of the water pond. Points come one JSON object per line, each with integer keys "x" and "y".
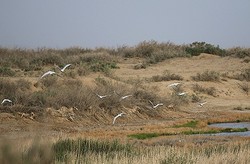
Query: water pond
{"x": 232, "y": 125}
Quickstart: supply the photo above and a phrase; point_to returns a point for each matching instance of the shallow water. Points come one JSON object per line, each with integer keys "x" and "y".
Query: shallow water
{"x": 232, "y": 125}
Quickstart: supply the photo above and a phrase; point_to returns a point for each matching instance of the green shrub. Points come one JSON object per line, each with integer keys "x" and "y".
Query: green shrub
{"x": 191, "y": 124}
{"x": 142, "y": 136}
{"x": 102, "y": 66}
{"x": 5, "y": 71}
{"x": 196, "y": 48}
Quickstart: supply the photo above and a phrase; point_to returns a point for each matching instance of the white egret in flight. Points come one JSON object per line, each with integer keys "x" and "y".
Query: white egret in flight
{"x": 48, "y": 73}
{"x": 119, "y": 115}
{"x": 66, "y": 66}
{"x": 6, "y": 100}
{"x": 155, "y": 106}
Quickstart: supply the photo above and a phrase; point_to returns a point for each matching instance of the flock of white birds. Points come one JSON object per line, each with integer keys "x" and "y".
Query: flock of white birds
{"x": 154, "y": 106}
{"x": 53, "y": 72}
{"x": 4, "y": 101}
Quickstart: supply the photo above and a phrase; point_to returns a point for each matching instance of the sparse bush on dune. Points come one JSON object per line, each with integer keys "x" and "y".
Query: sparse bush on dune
{"x": 244, "y": 75}
{"x": 152, "y": 51}
{"x": 245, "y": 87}
{"x": 125, "y": 51}
{"x": 7, "y": 88}
{"x": 167, "y": 76}
{"x": 238, "y": 52}
{"x": 49, "y": 81}
{"x": 210, "y": 91}
{"x": 156, "y": 52}
{"x": 207, "y": 76}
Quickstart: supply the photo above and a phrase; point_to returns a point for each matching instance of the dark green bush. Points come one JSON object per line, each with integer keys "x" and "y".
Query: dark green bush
{"x": 196, "y": 48}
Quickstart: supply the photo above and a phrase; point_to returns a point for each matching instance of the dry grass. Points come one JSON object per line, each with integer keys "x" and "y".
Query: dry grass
{"x": 115, "y": 152}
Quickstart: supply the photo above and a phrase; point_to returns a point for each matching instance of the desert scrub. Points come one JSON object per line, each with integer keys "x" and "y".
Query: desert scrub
{"x": 6, "y": 71}
{"x": 245, "y": 87}
{"x": 238, "y": 52}
{"x": 207, "y": 76}
{"x": 152, "y": 51}
{"x": 167, "y": 76}
{"x": 210, "y": 90}
{"x": 244, "y": 75}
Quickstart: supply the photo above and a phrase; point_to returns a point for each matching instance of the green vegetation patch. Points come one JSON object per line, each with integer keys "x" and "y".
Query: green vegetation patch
{"x": 191, "y": 124}
{"x": 143, "y": 136}
{"x": 196, "y": 48}
{"x": 6, "y": 71}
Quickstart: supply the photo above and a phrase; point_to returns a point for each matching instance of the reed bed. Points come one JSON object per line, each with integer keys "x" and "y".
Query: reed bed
{"x": 94, "y": 151}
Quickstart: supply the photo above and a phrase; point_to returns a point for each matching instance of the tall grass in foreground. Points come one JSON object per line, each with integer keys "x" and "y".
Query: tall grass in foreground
{"x": 82, "y": 148}
{"x": 94, "y": 151}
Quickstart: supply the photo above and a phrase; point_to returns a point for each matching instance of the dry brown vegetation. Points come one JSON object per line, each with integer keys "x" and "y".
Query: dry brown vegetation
{"x": 66, "y": 105}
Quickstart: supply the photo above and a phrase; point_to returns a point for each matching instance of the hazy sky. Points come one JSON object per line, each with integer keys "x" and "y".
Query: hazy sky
{"x": 113, "y": 23}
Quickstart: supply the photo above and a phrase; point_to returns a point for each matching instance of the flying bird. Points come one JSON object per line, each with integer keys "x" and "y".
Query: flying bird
{"x": 66, "y": 66}
{"x": 102, "y": 96}
{"x": 119, "y": 115}
{"x": 124, "y": 97}
{"x": 201, "y": 104}
{"x": 48, "y": 73}
{"x": 174, "y": 84}
{"x": 6, "y": 100}
{"x": 155, "y": 106}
